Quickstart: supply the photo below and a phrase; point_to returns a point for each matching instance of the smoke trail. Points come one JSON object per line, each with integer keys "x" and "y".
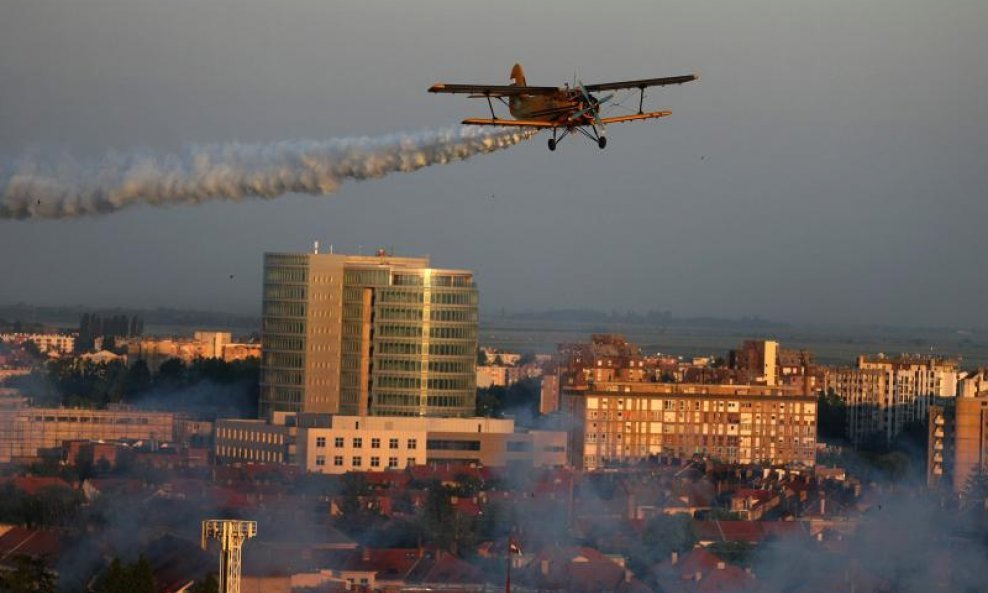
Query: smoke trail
{"x": 62, "y": 187}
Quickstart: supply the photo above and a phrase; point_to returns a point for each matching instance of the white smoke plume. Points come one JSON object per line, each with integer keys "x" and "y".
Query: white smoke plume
{"x": 48, "y": 186}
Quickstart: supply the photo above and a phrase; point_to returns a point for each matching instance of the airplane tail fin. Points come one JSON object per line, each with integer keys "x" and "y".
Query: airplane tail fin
{"x": 518, "y": 75}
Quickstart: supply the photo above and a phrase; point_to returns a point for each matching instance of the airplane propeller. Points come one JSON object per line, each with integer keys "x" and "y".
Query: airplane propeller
{"x": 593, "y": 106}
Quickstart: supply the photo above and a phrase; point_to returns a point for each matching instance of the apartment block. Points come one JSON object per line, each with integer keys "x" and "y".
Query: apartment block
{"x": 958, "y": 435}
{"x": 619, "y": 422}
{"x": 882, "y": 394}
{"x": 47, "y": 343}
{"x": 367, "y": 335}
{"x": 203, "y": 344}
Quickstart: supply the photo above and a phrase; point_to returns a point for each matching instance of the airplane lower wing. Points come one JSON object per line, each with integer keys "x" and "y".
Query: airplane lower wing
{"x": 516, "y": 123}
{"x": 533, "y": 123}
{"x": 634, "y": 116}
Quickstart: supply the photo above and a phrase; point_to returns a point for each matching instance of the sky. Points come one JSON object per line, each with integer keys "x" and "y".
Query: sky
{"x": 828, "y": 166}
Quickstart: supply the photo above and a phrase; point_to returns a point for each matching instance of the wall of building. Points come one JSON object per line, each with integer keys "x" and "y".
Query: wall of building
{"x": 882, "y": 395}
{"x": 970, "y": 439}
{"x": 340, "y": 444}
{"x": 47, "y": 343}
{"x": 253, "y": 441}
{"x": 628, "y": 422}
{"x": 340, "y": 450}
{"x": 25, "y": 431}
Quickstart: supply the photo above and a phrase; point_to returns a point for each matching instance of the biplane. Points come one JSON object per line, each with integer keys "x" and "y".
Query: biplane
{"x": 564, "y": 110}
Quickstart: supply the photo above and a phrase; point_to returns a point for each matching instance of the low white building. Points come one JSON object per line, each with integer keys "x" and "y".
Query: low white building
{"x": 320, "y": 443}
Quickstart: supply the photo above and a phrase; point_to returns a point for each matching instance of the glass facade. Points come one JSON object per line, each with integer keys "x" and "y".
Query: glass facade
{"x": 283, "y": 333}
{"x": 361, "y": 335}
{"x": 411, "y": 335}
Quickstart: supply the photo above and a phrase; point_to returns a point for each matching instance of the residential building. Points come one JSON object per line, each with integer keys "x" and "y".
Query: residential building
{"x": 47, "y": 343}
{"x": 607, "y": 357}
{"x": 882, "y": 394}
{"x": 26, "y": 431}
{"x": 496, "y": 357}
{"x": 958, "y": 437}
{"x": 367, "y": 335}
{"x": 758, "y": 360}
{"x": 549, "y": 397}
{"x": 972, "y": 383}
{"x": 203, "y": 344}
{"x": 619, "y": 422}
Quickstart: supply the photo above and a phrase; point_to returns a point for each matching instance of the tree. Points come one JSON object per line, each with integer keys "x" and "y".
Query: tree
{"x": 29, "y": 575}
{"x": 142, "y": 576}
{"x": 171, "y": 374}
{"x": 663, "y": 535}
{"x": 115, "y": 580}
{"x": 831, "y": 416}
{"x": 976, "y": 488}
{"x": 734, "y": 552}
{"x": 122, "y": 577}
{"x": 357, "y": 517}
{"x": 438, "y": 516}
{"x": 138, "y": 379}
{"x": 210, "y": 584}
{"x": 30, "y": 347}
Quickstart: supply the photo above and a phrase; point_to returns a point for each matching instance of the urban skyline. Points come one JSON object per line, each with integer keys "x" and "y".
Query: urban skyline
{"x": 278, "y": 316}
{"x": 819, "y": 183}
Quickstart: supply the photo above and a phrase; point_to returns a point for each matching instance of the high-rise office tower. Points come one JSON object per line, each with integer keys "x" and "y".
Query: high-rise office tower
{"x": 367, "y": 335}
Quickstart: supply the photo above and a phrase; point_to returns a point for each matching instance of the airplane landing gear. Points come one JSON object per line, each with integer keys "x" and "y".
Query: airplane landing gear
{"x": 552, "y": 144}
{"x": 602, "y": 142}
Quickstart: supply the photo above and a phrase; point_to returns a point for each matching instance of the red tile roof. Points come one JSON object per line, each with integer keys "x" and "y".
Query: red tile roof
{"x": 29, "y": 542}
{"x": 33, "y": 484}
{"x": 747, "y": 531}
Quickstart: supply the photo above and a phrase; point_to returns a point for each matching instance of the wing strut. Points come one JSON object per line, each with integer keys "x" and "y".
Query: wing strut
{"x": 491, "y": 105}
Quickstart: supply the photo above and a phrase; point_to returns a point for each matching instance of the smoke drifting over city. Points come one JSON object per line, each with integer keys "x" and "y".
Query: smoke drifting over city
{"x": 59, "y": 186}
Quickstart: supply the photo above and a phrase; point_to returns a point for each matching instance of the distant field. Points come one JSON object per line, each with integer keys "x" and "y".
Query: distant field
{"x": 830, "y": 345}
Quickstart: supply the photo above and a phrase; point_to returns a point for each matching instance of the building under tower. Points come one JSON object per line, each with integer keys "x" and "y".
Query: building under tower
{"x": 367, "y": 335}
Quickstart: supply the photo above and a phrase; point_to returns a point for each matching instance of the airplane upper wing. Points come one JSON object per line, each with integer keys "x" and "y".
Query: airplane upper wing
{"x": 510, "y": 123}
{"x": 640, "y": 84}
{"x": 489, "y": 90}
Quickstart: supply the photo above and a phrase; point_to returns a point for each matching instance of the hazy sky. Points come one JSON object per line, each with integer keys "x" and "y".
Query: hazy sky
{"x": 829, "y": 165}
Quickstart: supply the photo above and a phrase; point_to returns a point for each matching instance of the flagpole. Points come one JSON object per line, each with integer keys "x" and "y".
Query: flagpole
{"x": 507, "y": 574}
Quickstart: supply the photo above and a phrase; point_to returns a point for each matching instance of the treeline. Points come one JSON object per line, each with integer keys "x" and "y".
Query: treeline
{"x": 651, "y": 317}
{"x": 21, "y": 327}
{"x": 93, "y": 326}
{"x": 519, "y": 400}
{"x": 50, "y": 507}
{"x": 65, "y": 316}
{"x": 206, "y": 387}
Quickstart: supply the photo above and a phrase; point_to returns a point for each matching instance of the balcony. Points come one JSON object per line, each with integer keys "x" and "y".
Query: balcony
{"x": 938, "y": 434}
{"x": 938, "y": 421}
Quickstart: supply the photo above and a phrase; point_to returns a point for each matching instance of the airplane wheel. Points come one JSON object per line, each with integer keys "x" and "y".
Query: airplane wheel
{"x": 602, "y": 143}
{"x": 552, "y": 144}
